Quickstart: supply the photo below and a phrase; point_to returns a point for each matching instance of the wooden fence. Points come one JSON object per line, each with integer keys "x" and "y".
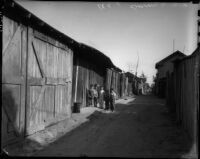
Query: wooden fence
{"x": 85, "y": 73}
{"x": 115, "y": 83}
{"x": 108, "y": 78}
{"x": 183, "y": 92}
{"x": 113, "y": 80}
{"x": 123, "y": 85}
{"x": 37, "y": 70}
{"x": 36, "y": 80}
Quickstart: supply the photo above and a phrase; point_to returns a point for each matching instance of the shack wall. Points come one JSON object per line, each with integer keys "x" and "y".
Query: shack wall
{"x": 115, "y": 82}
{"x": 13, "y": 80}
{"x": 37, "y": 78}
{"x": 124, "y": 85}
{"x": 183, "y": 92}
{"x": 85, "y": 74}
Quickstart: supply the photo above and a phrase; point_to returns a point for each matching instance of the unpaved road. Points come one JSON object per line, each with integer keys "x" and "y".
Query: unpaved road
{"x": 139, "y": 128}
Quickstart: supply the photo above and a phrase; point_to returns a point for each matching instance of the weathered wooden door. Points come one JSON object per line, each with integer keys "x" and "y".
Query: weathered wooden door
{"x": 13, "y": 80}
{"x": 49, "y": 83}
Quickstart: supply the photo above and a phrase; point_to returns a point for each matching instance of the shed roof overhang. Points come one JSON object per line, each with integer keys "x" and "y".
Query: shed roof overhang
{"x": 16, "y": 12}
{"x": 93, "y": 55}
{"x": 176, "y": 53}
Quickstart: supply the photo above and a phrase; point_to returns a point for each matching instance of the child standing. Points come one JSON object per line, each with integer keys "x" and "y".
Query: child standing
{"x": 112, "y": 99}
{"x": 101, "y": 98}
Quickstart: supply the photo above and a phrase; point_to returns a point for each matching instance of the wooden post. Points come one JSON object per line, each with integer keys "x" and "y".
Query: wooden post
{"x": 76, "y": 82}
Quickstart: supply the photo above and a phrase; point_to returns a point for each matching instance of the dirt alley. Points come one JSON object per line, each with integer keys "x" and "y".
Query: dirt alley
{"x": 140, "y": 127}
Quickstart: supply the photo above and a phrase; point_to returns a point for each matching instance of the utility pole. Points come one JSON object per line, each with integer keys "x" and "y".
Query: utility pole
{"x": 137, "y": 64}
{"x": 173, "y": 45}
{"x": 184, "y": 49}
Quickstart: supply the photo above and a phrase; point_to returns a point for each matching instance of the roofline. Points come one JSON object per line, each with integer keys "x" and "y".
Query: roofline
{"x": 197, "y": 51}
{"x": 94, "y": 49}
{"x": 101, "y": 54}
{"x": 134, "y": 76}
{"x": 130, "y": 73}
{"x": 13, "y": 10}
{"x": 91, "y": 51}
{"x": 118, "y": 69}
{"x": 168, "y": 57}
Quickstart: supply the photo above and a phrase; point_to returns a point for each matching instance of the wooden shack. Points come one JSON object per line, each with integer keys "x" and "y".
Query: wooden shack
{"x": 164, "y": 67}
{"x": 130, "y": 90}
{"x": 124, "y": 85}
{"x": 183, "y": 92}
{"x": 135, "y": 85}
{"x": 115, "y": 83}
{"x": 90, "y": 67}
{"x": 113, "y": 79}
{"x": 37, "y": 65}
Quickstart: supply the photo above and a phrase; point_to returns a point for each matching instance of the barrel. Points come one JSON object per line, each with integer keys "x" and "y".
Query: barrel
{"x": 77, "y": 107}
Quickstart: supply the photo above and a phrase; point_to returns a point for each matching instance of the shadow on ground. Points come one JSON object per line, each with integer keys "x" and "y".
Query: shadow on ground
{"x": 12, "y": 131}
{"x": 139, "y": 128}
{"x": 145, "y": 122}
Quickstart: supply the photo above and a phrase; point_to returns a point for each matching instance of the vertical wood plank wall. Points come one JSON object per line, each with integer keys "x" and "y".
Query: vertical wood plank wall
{"x": 183, "y": 92}
{"x": 115, "y": 82}
{"x": 49, "y": 81}
{"x": 36, "y": 80}
{"x": 13, "y": 80}
{"x": 124, "y": 85}
{"x": 87, "y": 74}
{"x": 108, "y": 78}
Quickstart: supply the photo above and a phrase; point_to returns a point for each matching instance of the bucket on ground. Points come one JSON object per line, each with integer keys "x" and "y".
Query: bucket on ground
{"x": 76, "y": 108}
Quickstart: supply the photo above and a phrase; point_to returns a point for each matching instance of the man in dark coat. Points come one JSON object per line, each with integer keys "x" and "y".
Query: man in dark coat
{"x": 112, "y": 99}
{"x": 107, "y": 99}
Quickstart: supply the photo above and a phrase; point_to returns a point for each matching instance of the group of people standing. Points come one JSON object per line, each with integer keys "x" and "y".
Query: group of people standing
{"x": 98, "y": 97}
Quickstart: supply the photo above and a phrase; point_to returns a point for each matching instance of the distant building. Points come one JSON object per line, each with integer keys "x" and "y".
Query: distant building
{"x": 130, "y": 89}
{"x": 143, "y": 86}
{"x": 146, "y": 89}
{"x": 136, "y": 85}
{"x": 164, "y": 68}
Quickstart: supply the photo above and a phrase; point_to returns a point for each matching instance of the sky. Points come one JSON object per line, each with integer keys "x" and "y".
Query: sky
{"x": 124, "y": 31}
